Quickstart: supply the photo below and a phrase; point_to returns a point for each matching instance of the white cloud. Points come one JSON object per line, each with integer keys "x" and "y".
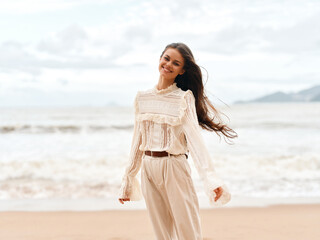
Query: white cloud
{"x": 70, "y": 39}
{"x": 33, "y": 6}
{"x": 245, "y": 46}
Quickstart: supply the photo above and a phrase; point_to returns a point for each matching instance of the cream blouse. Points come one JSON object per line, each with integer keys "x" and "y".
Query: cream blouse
{"x": 166, "y": 120}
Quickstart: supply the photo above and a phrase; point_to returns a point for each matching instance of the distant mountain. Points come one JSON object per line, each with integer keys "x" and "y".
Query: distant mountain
{"x": 308, "y": 95}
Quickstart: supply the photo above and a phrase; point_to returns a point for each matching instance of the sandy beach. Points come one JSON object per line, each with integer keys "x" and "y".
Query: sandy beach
{"x": 278, "y": 222}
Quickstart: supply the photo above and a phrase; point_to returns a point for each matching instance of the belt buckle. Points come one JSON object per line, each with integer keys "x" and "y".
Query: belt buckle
{"x": 151, "y": 153}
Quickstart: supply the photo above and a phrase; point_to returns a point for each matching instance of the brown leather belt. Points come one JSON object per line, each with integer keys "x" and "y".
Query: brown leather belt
{"x": 159, "y": 154}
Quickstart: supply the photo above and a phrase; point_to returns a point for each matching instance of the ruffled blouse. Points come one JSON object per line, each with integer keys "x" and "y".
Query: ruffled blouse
{"x": 166, "y": 120}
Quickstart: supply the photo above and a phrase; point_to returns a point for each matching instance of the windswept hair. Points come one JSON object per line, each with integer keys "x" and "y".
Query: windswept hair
{"x": 208, "y": 116}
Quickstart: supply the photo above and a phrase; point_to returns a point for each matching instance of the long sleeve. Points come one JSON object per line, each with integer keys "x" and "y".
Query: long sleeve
{"x": 200, "y": 154}
{"x": 130, "y": 187}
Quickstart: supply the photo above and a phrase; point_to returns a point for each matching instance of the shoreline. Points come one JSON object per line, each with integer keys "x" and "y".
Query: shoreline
{"x": 277, "y": 222}
{"x": 105, "y": 204}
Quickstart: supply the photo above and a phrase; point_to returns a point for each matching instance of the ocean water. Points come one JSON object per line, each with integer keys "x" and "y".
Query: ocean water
{"x": 58, "y": 155}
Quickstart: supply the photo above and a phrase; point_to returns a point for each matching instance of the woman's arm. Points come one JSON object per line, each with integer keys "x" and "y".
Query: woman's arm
{"x": 214, "y": 186}
{"x": 130, "y": 187}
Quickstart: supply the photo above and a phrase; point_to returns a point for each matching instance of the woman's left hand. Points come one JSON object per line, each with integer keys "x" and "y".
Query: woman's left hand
{"x": 218, "y": 192}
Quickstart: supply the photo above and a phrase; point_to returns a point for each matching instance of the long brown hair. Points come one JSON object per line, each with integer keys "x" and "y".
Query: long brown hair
{"x": 208, "y": 116}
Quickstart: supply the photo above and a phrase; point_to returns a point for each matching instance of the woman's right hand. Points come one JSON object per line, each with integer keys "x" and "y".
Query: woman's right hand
{"x": 122, "y": 200}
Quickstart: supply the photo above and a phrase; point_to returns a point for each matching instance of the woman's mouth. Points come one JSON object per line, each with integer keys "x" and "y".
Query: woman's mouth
{"x": 166, "y": 70}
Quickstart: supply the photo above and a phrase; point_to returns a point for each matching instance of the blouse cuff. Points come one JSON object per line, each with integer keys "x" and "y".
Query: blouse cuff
{"x": 130, "y": 188}
{"x": 211, "y": 185}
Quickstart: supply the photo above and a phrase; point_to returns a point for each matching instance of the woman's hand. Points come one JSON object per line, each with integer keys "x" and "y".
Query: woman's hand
{"x": 218, "y": 192}
{"x": 122, "y": 200}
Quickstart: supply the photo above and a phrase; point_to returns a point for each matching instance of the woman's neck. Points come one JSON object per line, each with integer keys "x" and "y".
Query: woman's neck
{"x": 164, "y": 83}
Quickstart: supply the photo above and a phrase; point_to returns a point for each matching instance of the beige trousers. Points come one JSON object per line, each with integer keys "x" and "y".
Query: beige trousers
{"x": 170, "y": 197}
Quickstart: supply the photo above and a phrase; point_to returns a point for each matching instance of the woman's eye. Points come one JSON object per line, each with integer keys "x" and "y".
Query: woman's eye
{"x": 176, "y": 64}
{"x": 166, "y": 58}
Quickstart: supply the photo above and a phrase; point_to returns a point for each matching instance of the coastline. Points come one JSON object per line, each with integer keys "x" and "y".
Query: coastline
{"x": 105, "y": 204}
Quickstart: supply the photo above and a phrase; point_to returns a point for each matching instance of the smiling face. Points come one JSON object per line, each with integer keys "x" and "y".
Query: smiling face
{"x": 171, "y": 64}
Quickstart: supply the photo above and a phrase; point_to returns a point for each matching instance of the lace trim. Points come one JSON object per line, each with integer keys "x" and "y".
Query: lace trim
{"x": 159, "y": 118}
{"x": 212, "y": 181}
{"x": 170, "y": 88}
{"x": 130, "y": 188}
{"x": 224, "y": 198}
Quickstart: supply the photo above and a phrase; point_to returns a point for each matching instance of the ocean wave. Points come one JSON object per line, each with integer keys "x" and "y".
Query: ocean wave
{"x": 67, "y": 128}
{"x": 269, "y": 176}
{"x": 38, "y": 129}
{"x": 46, "y": 188}
{"x": 276, "y": 125}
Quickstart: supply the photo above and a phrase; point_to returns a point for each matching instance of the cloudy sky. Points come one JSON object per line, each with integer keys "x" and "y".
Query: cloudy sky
{"x": 97, "y": 52}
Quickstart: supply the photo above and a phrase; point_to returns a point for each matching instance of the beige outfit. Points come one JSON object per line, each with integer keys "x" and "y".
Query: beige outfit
{"x": 166, "y": 120}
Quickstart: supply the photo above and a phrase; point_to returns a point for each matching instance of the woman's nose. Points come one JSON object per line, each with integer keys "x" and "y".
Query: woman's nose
{"x": 169, "y": 64}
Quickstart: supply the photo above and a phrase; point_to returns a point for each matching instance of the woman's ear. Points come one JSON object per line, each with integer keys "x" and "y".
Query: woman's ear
{"x": 182, "y": 72}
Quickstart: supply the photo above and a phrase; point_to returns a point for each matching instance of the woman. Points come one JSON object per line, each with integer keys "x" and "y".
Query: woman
{"x": 167, "y": 126}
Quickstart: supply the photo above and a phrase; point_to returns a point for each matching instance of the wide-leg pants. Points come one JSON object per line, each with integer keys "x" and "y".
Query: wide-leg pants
{"x": 170, "y": 197}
